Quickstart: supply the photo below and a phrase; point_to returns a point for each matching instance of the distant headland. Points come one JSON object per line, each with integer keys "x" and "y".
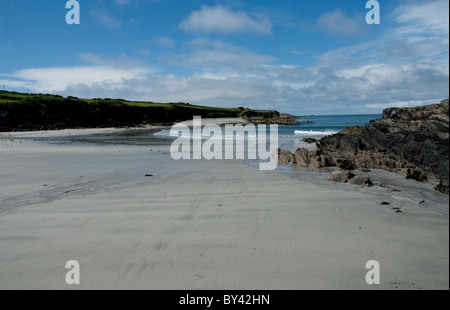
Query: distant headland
{"x": 25, "y": 112}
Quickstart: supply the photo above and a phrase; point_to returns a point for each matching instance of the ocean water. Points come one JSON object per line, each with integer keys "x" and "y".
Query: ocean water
{"x": 322, "y": 125}
{"x": 289, "y": 136}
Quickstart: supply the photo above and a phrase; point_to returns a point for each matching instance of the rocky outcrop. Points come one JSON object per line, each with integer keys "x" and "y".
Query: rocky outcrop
{"x": 302, "y": 158}
{"x": 273, "y": 121}
{"x": 274, "y": 118}
{"x": 310, "y": 140}
{"x": 285, "y": 157}
{"x": 410, "y": 141}
{"x": 349, "y": 177}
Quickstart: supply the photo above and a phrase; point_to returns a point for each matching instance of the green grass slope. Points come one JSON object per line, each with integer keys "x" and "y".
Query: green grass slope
{"x": 19, "y": 111}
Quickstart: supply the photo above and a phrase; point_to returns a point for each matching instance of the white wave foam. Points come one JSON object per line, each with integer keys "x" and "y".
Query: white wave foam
{"x": 314, "y": 133}
{"x": 205, "y": 135}
{"x": 164, "y": 132}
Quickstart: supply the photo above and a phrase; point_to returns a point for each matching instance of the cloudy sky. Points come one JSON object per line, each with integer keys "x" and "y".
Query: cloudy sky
{"x": 298, "y": 56}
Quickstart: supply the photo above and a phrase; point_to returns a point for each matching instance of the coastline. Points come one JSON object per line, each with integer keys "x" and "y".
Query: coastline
{"x": 201, "y": 224}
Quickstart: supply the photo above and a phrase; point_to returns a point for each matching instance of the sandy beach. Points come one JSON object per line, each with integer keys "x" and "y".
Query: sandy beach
{"x": 198, "y": 224}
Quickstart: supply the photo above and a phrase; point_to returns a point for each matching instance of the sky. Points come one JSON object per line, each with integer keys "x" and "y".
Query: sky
{"x": 298, "y": 56}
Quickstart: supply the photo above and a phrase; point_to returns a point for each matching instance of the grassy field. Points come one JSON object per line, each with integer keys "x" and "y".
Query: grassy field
{"x": 20, "y": 111}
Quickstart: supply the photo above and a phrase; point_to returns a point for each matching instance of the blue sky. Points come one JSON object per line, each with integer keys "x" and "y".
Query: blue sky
{"x": 298, "y": 56}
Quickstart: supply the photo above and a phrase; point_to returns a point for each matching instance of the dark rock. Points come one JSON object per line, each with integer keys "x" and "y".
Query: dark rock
{"x": 361, "y": 180}
{"x": 302, "y": 157}
{"x": 352, "y": 130}
{"x": 341, "y": 176}
{"x": 307, "y": 122}
{"x": 444, "y": 104}
{"x": 284, "y": 120}
{"x": 310, "y": 140}
{"x": 284, "y": 157}
{"x": 443, "y": 186}
{"x": 411, "y": 141}
{"x": 338, "y": 176}
{"x": 415, "y": 174}
{"x": 345, "y": 164}
{"x": 315, "y": 159}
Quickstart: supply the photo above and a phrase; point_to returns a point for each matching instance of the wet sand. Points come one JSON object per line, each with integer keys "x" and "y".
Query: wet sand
{"x": 201, "y": 224}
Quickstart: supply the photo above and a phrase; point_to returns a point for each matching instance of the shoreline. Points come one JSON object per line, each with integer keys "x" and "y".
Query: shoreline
{"x": 49, "y": 140}
{"x": 44, "y": 141}
{"x": 100, "y": 130}
{"x": 200, "y": 224}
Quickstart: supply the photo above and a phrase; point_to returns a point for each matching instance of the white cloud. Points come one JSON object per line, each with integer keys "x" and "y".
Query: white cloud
{"x": 123, "y": 61}
{"x": 58, "y": 79}
{"x": 223, "y": 20}
{"x": 430, "y": 17}
{"x": 337, "y": 23}
{"x": 104, "y": 19}
{"x": 167, "y": 42}
{"x": 310, "y": 90}
{"x": 210, "y": 52}
{"x": 359, "y": 78}
{"x": 91, "y": 58}
{"x": 402, "y": 104}
{"x": 360, "y": 88}
{"x": 217, "y": 57}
